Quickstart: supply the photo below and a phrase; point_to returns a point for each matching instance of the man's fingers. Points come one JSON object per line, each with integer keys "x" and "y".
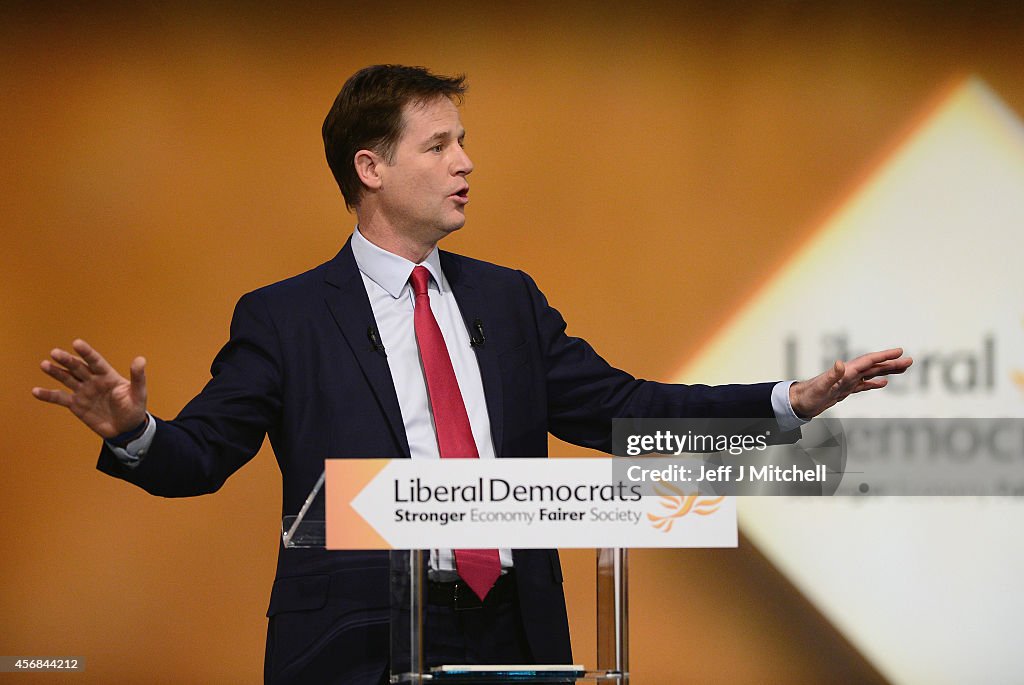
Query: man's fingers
{"x": 93, "y": 359}
{"x": 59, "y": 374}
{"x": 866, "y": 361}
{"x": 890, "y": 368}
{"x": 75, "y": 366}
{"x": 138, "y": 373}
{"x": 871, "y": 384}
{"x": 52, "y": 396}
{"x": 893, "y": 367}
{"x": 866, "y": 372}
{"x": 837, "y": 372}
{"x": 883, "y": 355}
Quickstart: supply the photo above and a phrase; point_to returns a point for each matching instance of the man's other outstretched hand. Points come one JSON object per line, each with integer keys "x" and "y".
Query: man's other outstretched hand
{"x": 811, "y": 397}
{"x": 99, "y": 396}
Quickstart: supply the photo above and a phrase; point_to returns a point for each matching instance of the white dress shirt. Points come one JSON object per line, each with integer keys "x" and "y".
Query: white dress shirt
{"x": 386, "y": 278}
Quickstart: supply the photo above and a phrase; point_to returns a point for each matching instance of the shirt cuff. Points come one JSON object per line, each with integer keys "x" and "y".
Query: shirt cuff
{"x": 131, "y": 454}
{"x": 784, "y": 414}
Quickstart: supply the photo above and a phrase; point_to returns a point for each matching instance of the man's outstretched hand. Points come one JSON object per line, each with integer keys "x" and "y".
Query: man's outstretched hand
{"x": 103, "y": 399}
{"x": 811, "y": 397}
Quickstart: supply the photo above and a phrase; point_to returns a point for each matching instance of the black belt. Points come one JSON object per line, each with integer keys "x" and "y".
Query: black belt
{"x": 458, "y": 595}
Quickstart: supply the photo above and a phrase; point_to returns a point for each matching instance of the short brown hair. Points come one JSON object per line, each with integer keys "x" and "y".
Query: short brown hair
{"x": 367, "y": 115}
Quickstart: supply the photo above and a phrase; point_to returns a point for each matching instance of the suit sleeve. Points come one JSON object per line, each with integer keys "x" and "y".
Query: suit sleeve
{"x": 584, "y": 392}
{"x": 223, "y": 427}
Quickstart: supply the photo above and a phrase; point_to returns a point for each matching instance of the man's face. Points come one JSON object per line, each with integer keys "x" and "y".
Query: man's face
{"x": 424, "y": 190}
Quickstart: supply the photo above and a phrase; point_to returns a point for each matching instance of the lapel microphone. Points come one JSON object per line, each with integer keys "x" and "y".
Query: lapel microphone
{"x": 476, "y": 335}
{"x": 378, "y": 347}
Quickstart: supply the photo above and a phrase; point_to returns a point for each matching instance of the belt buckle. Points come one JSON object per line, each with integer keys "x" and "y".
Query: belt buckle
{"x": 464, "y": 599}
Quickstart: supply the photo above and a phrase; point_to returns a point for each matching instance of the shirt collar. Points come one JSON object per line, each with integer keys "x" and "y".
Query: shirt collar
{"x": 387, "y": 269}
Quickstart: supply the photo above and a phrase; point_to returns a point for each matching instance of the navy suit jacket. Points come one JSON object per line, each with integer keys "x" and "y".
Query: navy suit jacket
{"x": 300, "y": 368}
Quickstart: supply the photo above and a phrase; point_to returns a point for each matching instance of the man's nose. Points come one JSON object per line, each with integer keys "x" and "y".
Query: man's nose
{"x": 463, "y": 164}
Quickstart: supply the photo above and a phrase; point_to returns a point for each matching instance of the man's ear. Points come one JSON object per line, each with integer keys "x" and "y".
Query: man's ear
{"x": 368, "y": 165}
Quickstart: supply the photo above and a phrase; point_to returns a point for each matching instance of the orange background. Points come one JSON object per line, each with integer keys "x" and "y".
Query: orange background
{"x": 650, "y": 165}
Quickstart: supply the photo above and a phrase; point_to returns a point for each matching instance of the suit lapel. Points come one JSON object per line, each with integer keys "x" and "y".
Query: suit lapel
{"x": 350, "y": 307}
{"x": 473, "y": 308}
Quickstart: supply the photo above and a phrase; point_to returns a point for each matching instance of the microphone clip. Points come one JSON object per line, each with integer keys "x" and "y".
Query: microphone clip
{"x": 476, "y": 334}
{"x": 375, "y": 342}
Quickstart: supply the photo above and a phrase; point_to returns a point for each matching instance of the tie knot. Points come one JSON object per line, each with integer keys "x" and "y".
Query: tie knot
{"x": 419, "y": 279}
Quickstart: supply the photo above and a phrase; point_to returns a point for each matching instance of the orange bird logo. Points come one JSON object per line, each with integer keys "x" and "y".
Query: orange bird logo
{"x": 679, "y": 505}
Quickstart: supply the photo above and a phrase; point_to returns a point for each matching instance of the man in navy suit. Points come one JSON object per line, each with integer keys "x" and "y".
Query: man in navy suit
{"x": 328, "y": 364}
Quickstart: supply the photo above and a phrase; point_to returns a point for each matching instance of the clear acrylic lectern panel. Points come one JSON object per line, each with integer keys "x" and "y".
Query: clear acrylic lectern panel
{"x": 408, "y": 662}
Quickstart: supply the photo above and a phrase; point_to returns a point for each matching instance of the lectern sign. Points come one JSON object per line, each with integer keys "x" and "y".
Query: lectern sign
{"x": 514, "y": 503}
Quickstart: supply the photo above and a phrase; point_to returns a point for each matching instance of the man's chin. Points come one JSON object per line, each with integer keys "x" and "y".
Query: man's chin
{"x": 453, "y": 226}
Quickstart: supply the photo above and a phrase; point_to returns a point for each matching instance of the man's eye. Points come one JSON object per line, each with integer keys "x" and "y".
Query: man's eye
{"x": 437, "y": 148}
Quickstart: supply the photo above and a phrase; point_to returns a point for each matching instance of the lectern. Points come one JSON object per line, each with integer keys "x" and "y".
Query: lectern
{"x": 307, "y": 529}
{"x": 408, "y": 505}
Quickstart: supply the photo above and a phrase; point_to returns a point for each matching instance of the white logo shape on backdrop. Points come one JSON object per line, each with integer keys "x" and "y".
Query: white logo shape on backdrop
{"x": 924, "y": 254}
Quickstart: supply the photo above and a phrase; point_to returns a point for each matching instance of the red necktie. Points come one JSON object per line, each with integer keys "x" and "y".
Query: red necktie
{"x": 480, "y": 568}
